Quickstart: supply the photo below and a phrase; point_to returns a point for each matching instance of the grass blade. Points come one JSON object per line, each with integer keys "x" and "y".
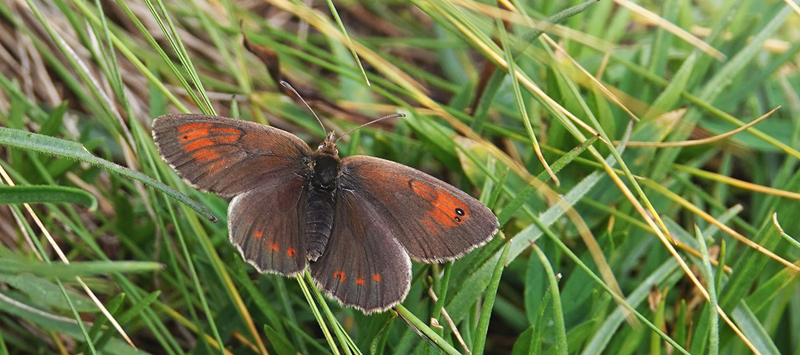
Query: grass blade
{"x": 66, "y": 149}
{"x": 46, "y": 194}
{"x": 488, "y": 303}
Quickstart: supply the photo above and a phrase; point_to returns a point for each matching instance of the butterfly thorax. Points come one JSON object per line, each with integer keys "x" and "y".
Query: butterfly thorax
{"x": 321, "y": 197}
{"x": 326, "y": 169}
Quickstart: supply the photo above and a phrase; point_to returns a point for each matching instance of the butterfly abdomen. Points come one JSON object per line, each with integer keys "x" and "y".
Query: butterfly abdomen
{"x": 321, "y": 200}
{"x": 319, "y": 221}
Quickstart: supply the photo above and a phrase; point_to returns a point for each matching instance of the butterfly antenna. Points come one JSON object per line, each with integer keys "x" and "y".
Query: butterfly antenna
{"x": 289, "y": 86}
{"x": 396, "y": 115}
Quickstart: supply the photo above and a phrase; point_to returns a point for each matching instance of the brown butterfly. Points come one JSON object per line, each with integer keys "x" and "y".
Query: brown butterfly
{"x": 353, "y": 221}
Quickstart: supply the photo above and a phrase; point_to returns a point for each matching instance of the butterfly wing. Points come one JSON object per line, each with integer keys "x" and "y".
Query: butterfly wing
{"x": 362, "y": 266}
{"x": 266, "y": 225}
{"x": 263, "y": 167}
{"x": 385, "y": 212}
{"x": 228, "y": 156}
{"x": 432, "y": 220}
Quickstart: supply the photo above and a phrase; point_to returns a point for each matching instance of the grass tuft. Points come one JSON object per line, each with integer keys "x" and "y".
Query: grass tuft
{"x": 621, "y": 138}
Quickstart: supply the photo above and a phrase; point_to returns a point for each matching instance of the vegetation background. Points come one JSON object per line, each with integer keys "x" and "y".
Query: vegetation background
{"x": 655, "y": 229}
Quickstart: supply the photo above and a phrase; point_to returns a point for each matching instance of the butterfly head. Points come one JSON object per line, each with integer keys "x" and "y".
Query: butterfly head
{"x": 328, "y": 146}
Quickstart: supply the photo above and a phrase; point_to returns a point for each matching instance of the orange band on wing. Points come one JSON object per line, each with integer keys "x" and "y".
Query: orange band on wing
{"x": 198, "y": 143}
{"x": 205, "y": 155}
{"x": 202, "y": 139}
{"x": 194, "y": 134}
{"x": 446, "y": 209}
{"x": 193, "y": 126}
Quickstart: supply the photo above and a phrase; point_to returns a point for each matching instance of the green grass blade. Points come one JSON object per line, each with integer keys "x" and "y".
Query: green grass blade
{"x": 344, "y": 340}
{"x": 60, "y": 324}
{"x": 561, "y": 345}
{"x": 427, "y": 331}
{"x": 46, "y": 194}
{"x": 493, "y": 84}
{"x": 522, "y": 196}
{"x": 713, "y": 334}
{"x": 78, "y": 268}
{"x": 66, "y": 149}
{"x": 488, "y": 303}
{"x": 338, "y": 19}
{"x": 317, "y": 315}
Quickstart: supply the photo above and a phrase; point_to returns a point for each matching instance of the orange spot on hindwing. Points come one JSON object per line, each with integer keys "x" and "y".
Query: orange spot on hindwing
{"x": 274, "y": 247}
{"x": 376, "y": 277}
{"x": 339, "y": 275}
{"x": 446, "y": 210}
{"x": 361, "y": 281}
{"x": 291, "y": 252}
{"x": 258, "y": 234}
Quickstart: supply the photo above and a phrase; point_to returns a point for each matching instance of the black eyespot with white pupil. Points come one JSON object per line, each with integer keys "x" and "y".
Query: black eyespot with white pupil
{"x": 459, "y": 212}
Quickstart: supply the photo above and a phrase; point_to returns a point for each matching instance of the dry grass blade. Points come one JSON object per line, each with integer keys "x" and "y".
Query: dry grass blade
{"x": 449, "y": 66}
{"x": 669, "y": 26}
{"x": 703, "y": 141}
{"x": 728, "y": 230}
{"x": 591, "y": 77}
{"x": 450, "y": 323}
{"x": 783, "y": 234}
{"x": 495, "y": 54}
{"x": 323, "y": 25}
{"x": 793, "y": 5}
{"x": 663, "y": 234}
{"x": 64, "y": 259}
{"x": 738, "y": 183}
{"x": 514, "y": 16}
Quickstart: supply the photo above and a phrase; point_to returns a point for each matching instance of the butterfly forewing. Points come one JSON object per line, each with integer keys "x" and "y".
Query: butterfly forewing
{"x": 431, "y": 219}
{"x": 363, "y": 265}
{"x": 227, "y": 156}
{"x": 368, "y": 215}
{"x": 263, "y": 167}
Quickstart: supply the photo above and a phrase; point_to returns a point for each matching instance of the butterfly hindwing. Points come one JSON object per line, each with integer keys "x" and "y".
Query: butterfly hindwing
{"x": 266, "y": 224}
{"x": 263, "y": 167}
{"x": 380, "y": 212}
{"x": 432, "y": 220}
{"x": 227, "y": 156}
{"x": 363, "y": 266}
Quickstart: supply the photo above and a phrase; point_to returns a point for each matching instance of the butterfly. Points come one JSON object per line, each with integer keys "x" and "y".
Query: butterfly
{"x": 354, "y": 222}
